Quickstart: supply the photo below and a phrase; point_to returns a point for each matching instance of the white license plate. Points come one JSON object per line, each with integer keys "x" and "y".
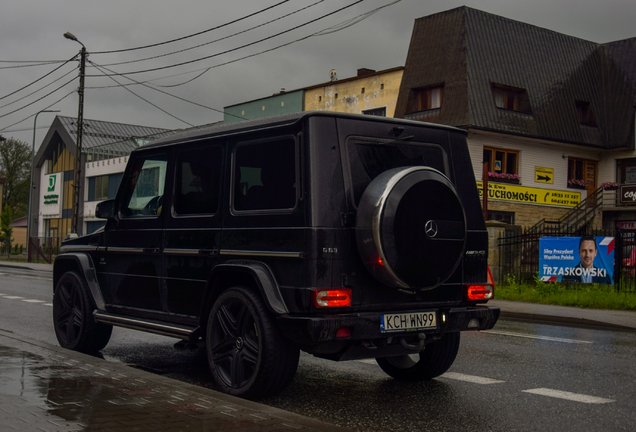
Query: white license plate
{"x": 411, "y": 321}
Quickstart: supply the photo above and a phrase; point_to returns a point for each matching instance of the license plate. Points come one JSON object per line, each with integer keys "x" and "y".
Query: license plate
{"x": 412, "y": 321}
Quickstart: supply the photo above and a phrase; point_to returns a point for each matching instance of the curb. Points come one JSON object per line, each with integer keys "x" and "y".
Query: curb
{"x": 562, "y": 321}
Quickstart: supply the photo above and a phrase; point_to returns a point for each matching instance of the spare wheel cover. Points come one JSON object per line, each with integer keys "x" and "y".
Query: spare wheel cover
{"x": 411, "y": 228}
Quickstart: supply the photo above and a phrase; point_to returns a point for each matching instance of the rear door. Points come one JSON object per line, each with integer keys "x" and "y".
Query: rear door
{"x": 193, "y": 226}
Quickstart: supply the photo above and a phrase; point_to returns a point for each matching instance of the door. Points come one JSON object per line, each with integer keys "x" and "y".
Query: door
{"x": 133, "y": 243}
{"x": 193, "y": 227}
{"x": 590, "y": 179}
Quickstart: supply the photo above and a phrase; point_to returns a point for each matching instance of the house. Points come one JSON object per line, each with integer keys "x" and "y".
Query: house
{"x": 551, "y": 114}
{"x": 369, "y": 92}
{"x": 105, "y": 150}
{"x": 19, "y": 231}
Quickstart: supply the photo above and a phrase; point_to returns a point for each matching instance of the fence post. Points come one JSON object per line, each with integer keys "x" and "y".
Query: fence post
{"x": 495, "y": 228}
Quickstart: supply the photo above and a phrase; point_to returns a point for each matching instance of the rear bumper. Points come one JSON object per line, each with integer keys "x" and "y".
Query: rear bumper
{"x": 366, "y": 326}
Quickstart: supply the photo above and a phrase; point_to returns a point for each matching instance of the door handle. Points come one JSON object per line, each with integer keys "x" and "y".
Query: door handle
{"x": 151, "y": 250}
{"x": 209, "y": 252}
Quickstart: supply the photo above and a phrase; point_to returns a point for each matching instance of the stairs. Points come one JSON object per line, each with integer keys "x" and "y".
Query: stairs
{"x": 574, "y": 221}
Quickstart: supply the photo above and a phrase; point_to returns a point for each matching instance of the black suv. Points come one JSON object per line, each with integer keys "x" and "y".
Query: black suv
{"x": 344, "y": 236}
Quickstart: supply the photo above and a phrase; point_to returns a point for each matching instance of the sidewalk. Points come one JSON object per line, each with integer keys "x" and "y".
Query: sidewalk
{"x": 47, "y": 388}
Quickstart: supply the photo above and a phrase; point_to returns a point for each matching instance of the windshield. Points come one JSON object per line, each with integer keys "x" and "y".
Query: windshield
{"x": 369, "y": 158}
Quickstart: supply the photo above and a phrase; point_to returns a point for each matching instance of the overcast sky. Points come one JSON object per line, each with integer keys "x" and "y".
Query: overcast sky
{"x": 233, "y": 71}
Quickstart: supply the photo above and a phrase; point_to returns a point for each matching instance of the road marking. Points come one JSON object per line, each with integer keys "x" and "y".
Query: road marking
{"x": 569, "y": 396}
{"x": 13, "y": 297}
{"x": 546, "y": 338}
{"x": 33, "y": 301}
{"x": 470, "y": 378}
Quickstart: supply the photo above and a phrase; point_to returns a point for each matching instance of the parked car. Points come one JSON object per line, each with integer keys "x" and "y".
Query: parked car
{"x": 345, "y": 236}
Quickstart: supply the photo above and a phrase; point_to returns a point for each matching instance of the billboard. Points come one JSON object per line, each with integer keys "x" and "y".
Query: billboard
{"x": 51, "y": 198}
{"x": 577, "y": 259}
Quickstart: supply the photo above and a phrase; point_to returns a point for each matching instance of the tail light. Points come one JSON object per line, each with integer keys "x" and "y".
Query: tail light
{"x": 481, "y": 291}
{"x": 331, "y": 297}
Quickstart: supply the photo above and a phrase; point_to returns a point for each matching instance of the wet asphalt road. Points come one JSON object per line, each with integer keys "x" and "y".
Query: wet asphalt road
{"x": 516, "y": 377}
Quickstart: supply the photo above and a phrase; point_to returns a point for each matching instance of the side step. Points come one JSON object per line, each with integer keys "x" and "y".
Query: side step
{"x": 172, "y": 330}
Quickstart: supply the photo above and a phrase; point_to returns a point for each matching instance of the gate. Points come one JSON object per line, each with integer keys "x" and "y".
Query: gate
{"x": 625, "y": 255}
{"x": 43, "y": 248}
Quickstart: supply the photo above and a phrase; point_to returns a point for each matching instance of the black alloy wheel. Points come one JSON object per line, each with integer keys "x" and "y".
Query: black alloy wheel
{"x": 248, "y": 356}
{"x": 75, "y": 327}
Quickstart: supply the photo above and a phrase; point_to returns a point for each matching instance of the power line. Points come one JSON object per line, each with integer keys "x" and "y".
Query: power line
{"x": 34, "y": 114}
{"x": 37, "y": 100}
{"x": 238, "y": 48}
{"x": 29, "y": 63}
{"x": 194, "y": 34}
{"x": 168, "y": 94}
{"x": 143, "y": 99}
{"x": 203, "y": 71}
{"x": 35, "y": 91}
{"x": 218, "y": 40}
{"x": 39, "y": 79}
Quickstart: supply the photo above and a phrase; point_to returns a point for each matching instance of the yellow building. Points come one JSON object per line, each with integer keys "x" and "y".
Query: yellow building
{"x": 369, "y": 92}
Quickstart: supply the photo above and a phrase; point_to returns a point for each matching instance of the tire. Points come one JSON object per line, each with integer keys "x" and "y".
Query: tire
{"x": 247, "y": 354}
{"x": 411, "y": 228}
{"x": 75, "y": 327}
{"x": 436, "y": 359}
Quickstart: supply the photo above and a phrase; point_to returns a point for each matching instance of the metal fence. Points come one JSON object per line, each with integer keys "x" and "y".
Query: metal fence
{"x": 519, "y": 254}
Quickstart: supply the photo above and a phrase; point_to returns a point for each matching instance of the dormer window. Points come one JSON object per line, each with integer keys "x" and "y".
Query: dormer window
{"x": 428, "y": 98}
{"x": 584, "y": 111}
{"x": 511, "y": 98}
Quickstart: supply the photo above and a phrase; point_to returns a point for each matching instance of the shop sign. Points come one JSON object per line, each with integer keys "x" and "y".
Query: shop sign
{"x": 530, "y": 195}
{"x": 626, "y": 225}
{"x": 51, "y": 195}
{"x": 628, "y": 194}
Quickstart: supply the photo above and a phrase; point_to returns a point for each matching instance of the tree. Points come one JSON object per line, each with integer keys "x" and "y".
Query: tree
{"x": 15, "y": 168}
{"x": 5, "y": 230}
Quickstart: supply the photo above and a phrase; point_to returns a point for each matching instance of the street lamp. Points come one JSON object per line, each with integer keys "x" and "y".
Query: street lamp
{"x": 78, "y": 141}
{"x": 32, "y": 186}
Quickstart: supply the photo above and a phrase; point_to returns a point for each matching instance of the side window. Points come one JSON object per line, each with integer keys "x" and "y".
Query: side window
{"x": 265, "y": 175}
{"x": 144, "y": 188}
{"x": 198, "y": 181}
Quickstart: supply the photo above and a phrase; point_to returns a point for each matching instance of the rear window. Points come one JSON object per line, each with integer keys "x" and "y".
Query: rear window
{"x": 369, "y": 158}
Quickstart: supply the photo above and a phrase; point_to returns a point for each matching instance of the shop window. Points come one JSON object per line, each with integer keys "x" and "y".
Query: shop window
{"x": 584, "y": 111}
{"x": 626, "y": 170}
{"x": 502, "y": 164}
{"x": 511, "y": 98}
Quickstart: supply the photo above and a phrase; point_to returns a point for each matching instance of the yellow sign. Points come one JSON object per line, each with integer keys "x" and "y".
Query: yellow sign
{"x": 543, "y": 175}
{"x": 529, "y": 195}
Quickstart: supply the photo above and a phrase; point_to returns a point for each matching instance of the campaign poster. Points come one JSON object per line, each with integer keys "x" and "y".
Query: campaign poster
{"x": 577, "y": 259}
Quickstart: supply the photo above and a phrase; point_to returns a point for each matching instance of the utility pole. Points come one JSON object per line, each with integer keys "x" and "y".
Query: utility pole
{"x": 77, "y": 187}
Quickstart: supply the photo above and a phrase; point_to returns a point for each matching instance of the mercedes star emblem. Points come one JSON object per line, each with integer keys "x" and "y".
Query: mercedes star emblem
{"x": 430, "y": 228}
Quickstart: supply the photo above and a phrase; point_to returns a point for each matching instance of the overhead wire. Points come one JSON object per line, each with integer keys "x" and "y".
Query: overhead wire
{"x": 220, "y": 39}
{"x": 34, "y": 114}
{"x": 39, "y": 79}
{"x": 99, "y": 67}
{"x": 194, "y": 34}
{"x": 240, "y": 47}
{"x": 37, "y": 100}
{"x": 35, "y": 91}
{"x": 144, "y": 99}
{"x": 203, "y": 71}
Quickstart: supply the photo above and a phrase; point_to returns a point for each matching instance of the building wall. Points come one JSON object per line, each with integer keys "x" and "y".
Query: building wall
{"x": 62, "y": 160}
{"x": 95, "y": 169}
{"x": 380, "y": 90}
{"x": 283, "y": 103}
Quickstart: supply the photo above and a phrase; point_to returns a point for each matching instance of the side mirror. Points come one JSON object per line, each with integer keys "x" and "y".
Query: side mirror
{"x": 105, "y": 209}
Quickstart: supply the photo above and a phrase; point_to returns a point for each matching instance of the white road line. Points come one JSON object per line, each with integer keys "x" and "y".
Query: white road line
{"x": 33, "y": 301}
{"x": 13, "y": 297}
{"x": 528, "y": 336}
{"x": 48, "y": 304}
{"x": 569, "y": 396}
{"x": 470, "y": 378}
